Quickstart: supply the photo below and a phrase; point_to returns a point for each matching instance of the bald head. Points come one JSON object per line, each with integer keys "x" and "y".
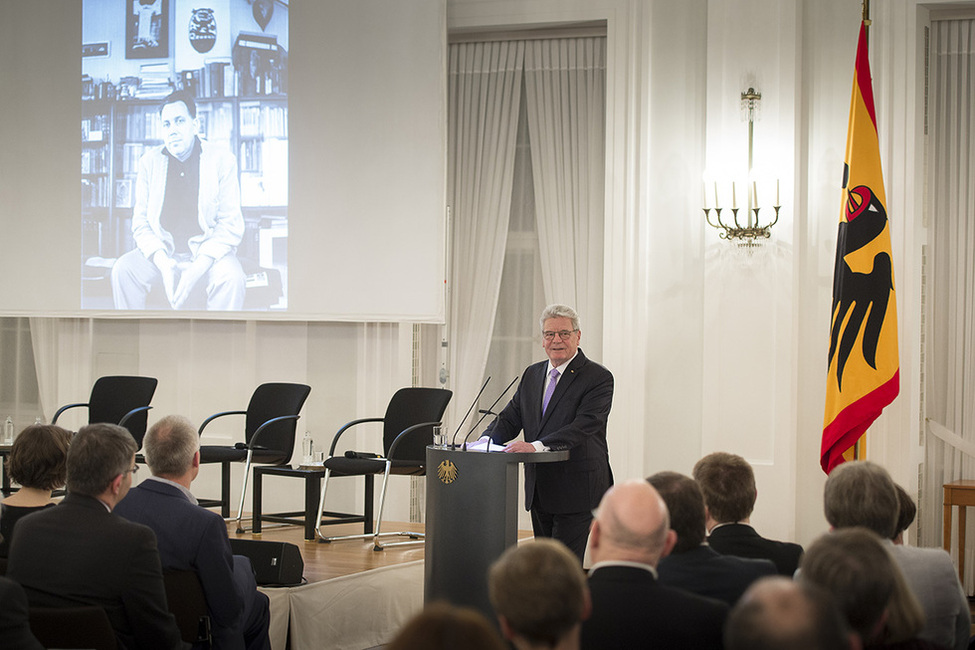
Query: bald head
{"x": 631, "y": 524}
{"x": 778, "y": 613}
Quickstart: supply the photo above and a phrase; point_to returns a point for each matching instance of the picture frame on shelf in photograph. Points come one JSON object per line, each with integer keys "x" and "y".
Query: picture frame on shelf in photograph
{"x": 146, "y": 29}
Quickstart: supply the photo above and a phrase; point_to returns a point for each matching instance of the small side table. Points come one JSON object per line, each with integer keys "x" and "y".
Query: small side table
{"x": 961, "y": 494}
{"x": 313, "y": 490}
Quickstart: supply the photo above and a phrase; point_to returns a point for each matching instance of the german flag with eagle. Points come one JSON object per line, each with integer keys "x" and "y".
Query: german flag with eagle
{"x": 864, "y": 373}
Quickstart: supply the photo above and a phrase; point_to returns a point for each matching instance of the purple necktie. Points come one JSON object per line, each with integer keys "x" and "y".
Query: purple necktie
{"x": 550, "y": 389}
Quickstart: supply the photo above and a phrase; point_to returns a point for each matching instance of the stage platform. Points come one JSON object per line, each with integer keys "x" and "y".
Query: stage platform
{"x": 354, "y": 597}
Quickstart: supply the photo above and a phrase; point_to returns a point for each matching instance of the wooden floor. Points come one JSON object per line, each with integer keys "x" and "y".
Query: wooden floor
{"x": 327, "y": 561}
{"x": 337, "y": 559}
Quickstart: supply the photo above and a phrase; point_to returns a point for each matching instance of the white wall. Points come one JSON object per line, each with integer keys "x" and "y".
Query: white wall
{"x": 713, "y": 350}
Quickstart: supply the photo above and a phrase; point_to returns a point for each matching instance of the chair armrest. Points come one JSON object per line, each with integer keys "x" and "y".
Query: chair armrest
{"x": 406, "y": 432}
{"x": 65, "y": 408}
{"x": 252, "y": 443}
{"x": 125, "y": 418}
{"x": 219, "y": 415}
{"x": 345, "y": 427}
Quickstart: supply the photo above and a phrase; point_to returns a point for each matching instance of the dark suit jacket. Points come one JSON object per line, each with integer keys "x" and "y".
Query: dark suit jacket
{"x": 575, "y": 420}
{"x": 78, "y": 553}
{"x": 706, "y": 572}
{"x": 14, "y": 626}
{"x": 195, "y": 539}
{"x": 743, "y": 541}
{"x": 631, "y": 609}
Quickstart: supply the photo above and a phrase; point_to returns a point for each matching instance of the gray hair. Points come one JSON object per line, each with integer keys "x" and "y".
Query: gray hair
{"x": 861, "y": 493}
{"x": 559, "y": 311}
{"x": 170, "y": 445}
{"x": 97, "y": 455}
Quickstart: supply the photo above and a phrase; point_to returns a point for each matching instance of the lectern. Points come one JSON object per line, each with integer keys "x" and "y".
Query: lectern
{"x": 471, "y": 518}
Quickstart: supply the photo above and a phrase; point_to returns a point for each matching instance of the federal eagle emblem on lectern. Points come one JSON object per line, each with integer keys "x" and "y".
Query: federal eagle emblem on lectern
{"x": 446, "y": 471}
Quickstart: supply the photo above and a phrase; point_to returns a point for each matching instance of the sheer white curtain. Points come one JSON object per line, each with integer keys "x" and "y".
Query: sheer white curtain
{"x": 484, "y": 91}
{"x": 950, "y": 352}
{"x": 565, "y": 93}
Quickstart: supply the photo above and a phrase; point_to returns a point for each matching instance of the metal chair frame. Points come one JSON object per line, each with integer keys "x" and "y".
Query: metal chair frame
{"x": 250, "y": 453}
{"x": 415, "y": 537}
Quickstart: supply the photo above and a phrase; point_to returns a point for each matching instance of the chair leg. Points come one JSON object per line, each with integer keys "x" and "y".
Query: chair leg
{"x": 225, "y": 490}
{"x": 243, "y": 490}
{"x": 321, "y": 508}
{"x": 415, "y": 538}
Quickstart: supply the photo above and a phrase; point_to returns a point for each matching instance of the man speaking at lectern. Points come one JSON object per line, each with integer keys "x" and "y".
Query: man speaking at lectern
{"x": 560, "y": 404}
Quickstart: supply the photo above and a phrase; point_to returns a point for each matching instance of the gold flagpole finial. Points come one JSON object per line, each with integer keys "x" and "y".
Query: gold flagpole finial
{"x": 866, "y": 13}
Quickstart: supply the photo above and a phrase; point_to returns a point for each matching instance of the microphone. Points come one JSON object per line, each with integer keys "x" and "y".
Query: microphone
{"x": 453, "y": 440}
{"x": 488, "y": 411}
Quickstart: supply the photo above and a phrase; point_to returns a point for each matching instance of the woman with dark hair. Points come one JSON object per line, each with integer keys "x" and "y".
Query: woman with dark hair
{"x": 37, "y": 464}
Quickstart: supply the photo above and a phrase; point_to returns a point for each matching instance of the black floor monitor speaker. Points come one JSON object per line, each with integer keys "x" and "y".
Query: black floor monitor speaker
{"x": 276, "y": 564}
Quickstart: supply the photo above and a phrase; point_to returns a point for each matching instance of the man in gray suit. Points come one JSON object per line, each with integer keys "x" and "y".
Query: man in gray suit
{"x": 862, "y": 493}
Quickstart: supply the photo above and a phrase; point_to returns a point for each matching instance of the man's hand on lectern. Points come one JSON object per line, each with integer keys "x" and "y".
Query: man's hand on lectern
{"x": 519, "y": 447}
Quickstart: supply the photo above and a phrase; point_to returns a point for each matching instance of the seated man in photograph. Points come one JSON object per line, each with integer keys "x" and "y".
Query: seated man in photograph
{"x": 186, "y": 222}
{"x": 862, "y": 493}
{"x": 779, "y": 614}
{"x": 630, "y": 607}
{"x": 540, "y": 595}
{"x": 728, "y": 484}
{"x": 194, "y": 538}
{"x": 693, "y": 565}
{"x": 79, "y": 553}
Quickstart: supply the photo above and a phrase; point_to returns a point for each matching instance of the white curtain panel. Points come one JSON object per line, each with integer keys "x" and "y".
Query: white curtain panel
{"x": 484, "y": 91}
{"x": 565, "y": 92}
{"x": 62, "y": 359}
{"x": 950, "y": 332}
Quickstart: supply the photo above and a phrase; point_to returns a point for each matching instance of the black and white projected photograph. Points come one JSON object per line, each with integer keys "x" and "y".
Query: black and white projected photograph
{"x": 184, "y": 155}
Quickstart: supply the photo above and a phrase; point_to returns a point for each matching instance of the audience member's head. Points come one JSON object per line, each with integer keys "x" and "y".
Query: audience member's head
{"x": 38, "y": 458}
{"x": 170, "y": 447}
{"x": 906, "y": 511}
{"x": 853, "y": 565}
{"x": 728, "y": 484}
{"x": 631, "y": 524}
{"x": 776, "y": 613}
{"x": 446, "y": 627}
{"x": 861, "y": 493}
{"x": 539, "y": 592}
{"x": 685, "y": 503}
{"x": 100, "y": 461}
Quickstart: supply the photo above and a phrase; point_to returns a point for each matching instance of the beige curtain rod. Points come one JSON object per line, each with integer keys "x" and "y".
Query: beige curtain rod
{"x": 569, "y": 31}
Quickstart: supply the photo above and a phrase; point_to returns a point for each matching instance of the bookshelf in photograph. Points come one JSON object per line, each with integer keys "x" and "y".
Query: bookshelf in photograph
{"x": 96, "y": 173}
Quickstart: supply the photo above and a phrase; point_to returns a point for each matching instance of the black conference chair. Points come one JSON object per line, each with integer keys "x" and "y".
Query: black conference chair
{"x": 407, "y": 430}
{"x": 73, "y": 627}
{"x": 269, "y": 438}
{"x": 121, "y": 400}
{"x": 188, "y": 604}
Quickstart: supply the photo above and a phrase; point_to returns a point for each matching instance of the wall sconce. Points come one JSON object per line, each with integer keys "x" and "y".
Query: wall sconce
{"x": 752, "y": 233}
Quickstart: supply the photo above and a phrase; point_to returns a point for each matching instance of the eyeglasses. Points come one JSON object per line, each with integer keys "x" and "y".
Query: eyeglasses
{"x": 564, "y": 334}
{"x": 133, "y": 471}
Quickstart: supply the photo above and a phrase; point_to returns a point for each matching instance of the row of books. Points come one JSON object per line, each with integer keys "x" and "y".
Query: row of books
{"x": 94, "y": 161}
{"x": 268, "y": 120}
{"x": 96, "y": 128}
{"x": 215, "y": 79}
{"x": 95, "y": 192}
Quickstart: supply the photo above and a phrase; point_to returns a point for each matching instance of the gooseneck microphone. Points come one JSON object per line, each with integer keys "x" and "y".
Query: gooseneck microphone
{"x": 453, "y": 440}
{"x": 488, "y": 411}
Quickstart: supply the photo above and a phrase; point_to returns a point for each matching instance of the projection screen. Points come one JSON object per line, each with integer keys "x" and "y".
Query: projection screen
{"x": 238, "y": 159}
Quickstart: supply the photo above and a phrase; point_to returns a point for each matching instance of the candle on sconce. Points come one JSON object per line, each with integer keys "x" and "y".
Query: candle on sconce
{"x": 754, "y": 194}
{"x": 704, "y": 195}
{"x": 777, "y": 192}
{"x": 717, "y": 204}
{"x": 734, "y": 197}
